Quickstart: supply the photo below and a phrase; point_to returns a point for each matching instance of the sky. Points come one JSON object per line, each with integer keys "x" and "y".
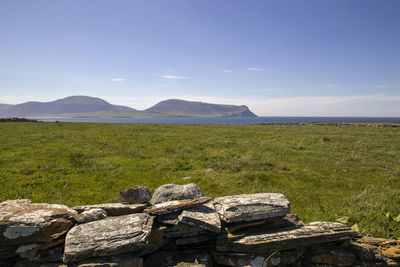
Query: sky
{"x": 278, "y": 57}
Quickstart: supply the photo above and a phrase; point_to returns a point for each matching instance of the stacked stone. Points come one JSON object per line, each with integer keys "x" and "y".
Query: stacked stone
{"x": 33, "y": 232}
{"x": 179, "y": 226}
{"x": 260, "y": 230}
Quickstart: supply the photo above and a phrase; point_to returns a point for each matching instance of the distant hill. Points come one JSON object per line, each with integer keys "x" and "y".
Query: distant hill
{"x": 68, "y": 105}
{"x": 86, "y": 106}
{"x": 189, "y": 108}
{"x": 4, "y": 106}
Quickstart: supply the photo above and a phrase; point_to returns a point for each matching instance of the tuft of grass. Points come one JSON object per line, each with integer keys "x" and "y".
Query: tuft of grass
{"x": 355, "y": 175}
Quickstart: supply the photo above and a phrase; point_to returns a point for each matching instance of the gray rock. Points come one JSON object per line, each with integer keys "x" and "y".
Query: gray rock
{"x": 331, "y": 255}
{"x": 175, "y": 205}
{"x": 108, "y": 237}
{"x": 170, "y": 192}
{"x": 91, "y": 215}
{"x": 268, "y": 258}
{"x": 203, "y": 216}
{"x": 285, "y": 238}
{"x": 42, "y": 251}
{"x": 183, "y": 258}
{"x": 135, "y": 195}
{"x": 121, "y": 261}
{"x": 184, "y": 230}
{"x": 251, "y": 207}
{"x": 263, "y": 225}
{"x": 169, "y": 218}
{"x": 114, "y": 209}
{"x": 24, "y": 222}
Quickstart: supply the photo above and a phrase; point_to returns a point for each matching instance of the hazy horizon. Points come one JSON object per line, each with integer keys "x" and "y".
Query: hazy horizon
{"x": 279, "y": 58}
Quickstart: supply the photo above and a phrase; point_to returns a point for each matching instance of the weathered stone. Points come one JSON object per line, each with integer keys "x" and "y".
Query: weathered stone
{"x": 251, "y": 207}
{"x": 114, "y": 209}
{"x": 24, "y": 222}
{"x": 121, "y": 261}
{"x": 42, "y": 251}
{"x": 170, "y": 192}
{"x": 175, "y": 205}
{"x": 390, "y": 249}
{"x": 108, "y": 237}
{"x": 364, "y": 250}
{"x": 285, "y": 238}
{"x": 184, "y": 230}
{"x": 374, "y": 240}
{"x": 169, "y": 258}
{"x": 135, "y": 195}
{"x": 169, "y": 218}
{"x": 241, "y": 228}
{"x": 268, "y": 258}
{"x": 91, "y": 215}
{"x": 203, "y": 216}
{"x": 332, "y": 255}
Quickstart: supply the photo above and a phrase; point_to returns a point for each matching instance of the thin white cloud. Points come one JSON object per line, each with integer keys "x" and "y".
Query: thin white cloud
{"x": 254, "y": 69}
{"x": 271, "y": 89}
{"x": 226, "y": 71}
{"x": 12, "y": 99}
{"x": 174, "y": 77}
{"x": 381, "y": 86}
{"x": 118, "y": 79}
{"x": 328, "y": 85}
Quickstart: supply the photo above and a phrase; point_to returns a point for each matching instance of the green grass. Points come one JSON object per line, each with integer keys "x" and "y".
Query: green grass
{"x": 327, "y": 172}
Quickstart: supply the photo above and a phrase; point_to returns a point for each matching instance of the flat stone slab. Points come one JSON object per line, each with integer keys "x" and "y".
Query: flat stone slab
{"x": 285, "y": 238}
{"x": 175, "y": 205}
{"x": 203, "y": 216}
{"x": 121, "y": 261}
{"x": 251, "y": 207}
{"x": 114, "y": 209}
{"x": 184, "y": 230}
{"x": 169, "y": 218}
{"x": 169, "y": 192}
{"x": 91, "y": 215}
{"x": 22, "y": 221}
{"x": 263, "y": 225}
{"x": 108, "y": 237}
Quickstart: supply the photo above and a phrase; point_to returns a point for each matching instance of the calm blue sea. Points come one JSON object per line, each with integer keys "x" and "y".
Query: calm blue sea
{"x": 226, "y": 120}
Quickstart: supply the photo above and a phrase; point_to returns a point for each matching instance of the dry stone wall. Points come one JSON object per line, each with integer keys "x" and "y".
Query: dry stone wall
{"x": 179, "y": 226}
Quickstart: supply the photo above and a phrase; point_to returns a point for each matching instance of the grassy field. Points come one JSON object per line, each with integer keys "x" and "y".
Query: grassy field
{"x": 327, "y": 172}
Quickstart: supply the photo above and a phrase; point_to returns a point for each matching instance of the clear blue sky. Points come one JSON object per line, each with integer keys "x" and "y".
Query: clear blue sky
{"x": 281, "y": 57}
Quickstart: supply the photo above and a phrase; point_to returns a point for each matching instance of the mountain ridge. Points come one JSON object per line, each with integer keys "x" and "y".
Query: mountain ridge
{"x": 77, "y": 106}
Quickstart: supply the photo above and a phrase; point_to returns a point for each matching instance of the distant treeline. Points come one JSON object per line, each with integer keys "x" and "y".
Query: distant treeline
{"x": 17, "y": 120}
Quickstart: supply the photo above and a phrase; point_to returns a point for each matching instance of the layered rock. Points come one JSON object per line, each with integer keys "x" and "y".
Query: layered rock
{"x": 91, "y": 215}
{"x": 175, "y": 205}
{"x": 170, "y": 192}
{"x": 203, "y": 216}
{"x": 22, "y": 221}
{"x": 251, "y": 207}
{"x": 108, "y": 237}
{"x": 286, "y": 238}
{"x": 241, "y": 230}
{"x": 114, "y": 209}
